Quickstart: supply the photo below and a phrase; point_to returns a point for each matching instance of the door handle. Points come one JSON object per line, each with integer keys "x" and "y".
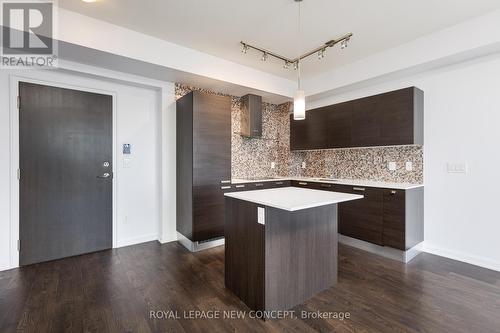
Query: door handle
{"x": 105, "y": 175}
{"x": 358, "y": 188}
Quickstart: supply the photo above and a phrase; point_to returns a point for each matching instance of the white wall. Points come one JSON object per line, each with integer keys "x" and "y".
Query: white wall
{"x": 138, "y": 188}
{"x": 107, "y": 37}
{"x": 462, "y": 125}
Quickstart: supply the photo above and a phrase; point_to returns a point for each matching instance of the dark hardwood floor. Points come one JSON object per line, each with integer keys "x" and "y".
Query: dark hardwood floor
{"x": 115, "y": 290}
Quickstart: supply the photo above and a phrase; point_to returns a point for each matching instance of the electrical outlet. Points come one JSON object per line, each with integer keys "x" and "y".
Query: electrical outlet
{"x": 126, "y": 162}
{"x": 409, "y": 166}
{"x": 391, "y": 166}
{"x": 273, "y": 165}
{"x": 303, "y": 165}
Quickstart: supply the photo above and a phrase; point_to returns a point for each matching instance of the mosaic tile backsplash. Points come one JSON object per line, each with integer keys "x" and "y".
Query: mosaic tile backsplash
{"x": 253, "y": 157}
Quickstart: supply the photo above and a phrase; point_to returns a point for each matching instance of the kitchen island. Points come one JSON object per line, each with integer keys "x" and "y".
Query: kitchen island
{"x": 281, "y": 245}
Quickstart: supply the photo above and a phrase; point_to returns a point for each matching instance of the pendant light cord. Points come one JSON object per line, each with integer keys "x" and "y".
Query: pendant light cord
{"x": 298, "y": 61}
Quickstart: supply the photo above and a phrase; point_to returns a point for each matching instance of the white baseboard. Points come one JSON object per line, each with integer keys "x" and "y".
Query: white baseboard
{"x": 168, "y": 238}
{"x": 5, "y": 267}
{"x": 136, "y": 240}
{"x": 459, "y": 256}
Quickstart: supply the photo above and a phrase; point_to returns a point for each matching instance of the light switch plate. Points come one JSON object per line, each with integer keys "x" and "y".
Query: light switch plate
{"x": 261, "y": 215}
{"x": 457, "y": 168}
{"x": 273, "y": 165}
{"x": 391, "y": 166}
{"x": 409, "y": 166}
{"x": 303, "y": 165}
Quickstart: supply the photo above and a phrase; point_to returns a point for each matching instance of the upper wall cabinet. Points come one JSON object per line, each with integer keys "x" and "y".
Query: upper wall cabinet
{"x": 393, "y": 118}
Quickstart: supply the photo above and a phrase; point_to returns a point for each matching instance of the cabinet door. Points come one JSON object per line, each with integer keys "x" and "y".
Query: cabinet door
{"x": 363, "y": 218}
{"x": 317, "y": 128}
{"x": 208, "y": 211}
{"x": 211, "y": 163}
{"x": 394, "y": 219}
{"x": 298, "y": 134}
{"x": 312, "y": 132}
{"x": 395, "y": 110}
{"x": 365, "y": 129}
{"x": 339, "y": 125}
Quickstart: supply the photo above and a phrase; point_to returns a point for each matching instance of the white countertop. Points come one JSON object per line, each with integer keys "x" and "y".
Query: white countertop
{"x": 293, "y": 198}
{"x": 351, "y": 182}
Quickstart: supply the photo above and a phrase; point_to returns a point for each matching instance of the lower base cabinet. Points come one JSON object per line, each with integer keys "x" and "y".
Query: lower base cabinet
{"x": 385, "y": 217}
{"x": 362, "y": 219}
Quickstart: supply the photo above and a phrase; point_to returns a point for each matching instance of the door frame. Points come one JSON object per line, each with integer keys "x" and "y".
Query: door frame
{"x": 15, "y": 155}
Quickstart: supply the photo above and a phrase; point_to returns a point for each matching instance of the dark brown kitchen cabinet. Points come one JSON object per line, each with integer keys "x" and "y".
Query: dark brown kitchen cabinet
{"x": 339, "y": 123}
{"x": 386, "y": 217}
{"x": 393, "y": 118}
{"x": 313, "y": 133}
{"x": 203, "y": 164}
{"x": 362, "y": 219}
{"x": 365, "y": 122}
{"x": 403, "y": 218}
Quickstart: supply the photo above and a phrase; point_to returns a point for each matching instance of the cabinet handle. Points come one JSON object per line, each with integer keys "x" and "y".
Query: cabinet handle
{"x": 225, "y": 187}
{"x": 259, "y": 185}
{"x": 358, "y": 188}
{"x": 240, "y": 186}
{"x": 279, "y": 183}
{"x": 326, "y": 185}
{"x": 393, "y": 192}
{"x": 302, "y": 183}
{"x": 225, "y": 181}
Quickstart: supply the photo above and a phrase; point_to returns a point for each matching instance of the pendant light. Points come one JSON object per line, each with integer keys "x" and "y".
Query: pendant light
{"x": 299, "y": 99}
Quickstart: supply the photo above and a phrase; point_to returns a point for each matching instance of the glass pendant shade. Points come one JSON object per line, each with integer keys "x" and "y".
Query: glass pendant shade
{"x": 299, "y": 105}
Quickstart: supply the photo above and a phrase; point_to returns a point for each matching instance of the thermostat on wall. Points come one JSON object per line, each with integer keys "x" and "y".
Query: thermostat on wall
{"x": 126, "y": 148}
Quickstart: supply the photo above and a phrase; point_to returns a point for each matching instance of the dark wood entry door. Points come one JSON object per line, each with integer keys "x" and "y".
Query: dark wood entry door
{"x": 65, "y": 139}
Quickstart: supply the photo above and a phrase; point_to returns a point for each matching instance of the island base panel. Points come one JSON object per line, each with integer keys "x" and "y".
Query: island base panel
{"x": 284, "y": 262}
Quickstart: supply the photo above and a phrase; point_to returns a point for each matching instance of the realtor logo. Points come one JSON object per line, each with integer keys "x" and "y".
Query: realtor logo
{"x": 28, "y": 39}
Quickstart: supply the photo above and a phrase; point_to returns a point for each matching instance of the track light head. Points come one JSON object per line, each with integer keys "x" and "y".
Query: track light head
{"x": 286, "y": 65}
{"x": 321, "y": 54}
{"x": 296, "y": 65}
{"x": 344, "y": 43}
{"x": 244, "y": 48}
{"x": 264, "y": 56}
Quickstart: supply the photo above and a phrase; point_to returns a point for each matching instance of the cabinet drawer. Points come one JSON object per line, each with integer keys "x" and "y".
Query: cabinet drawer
{"x": 280, "y": 183}
{"x": 394, "y": 219}
{"x": 304, "y": 184}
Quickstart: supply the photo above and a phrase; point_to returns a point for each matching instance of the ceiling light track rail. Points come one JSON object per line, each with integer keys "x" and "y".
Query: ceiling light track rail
{"x": 288, "y": 61}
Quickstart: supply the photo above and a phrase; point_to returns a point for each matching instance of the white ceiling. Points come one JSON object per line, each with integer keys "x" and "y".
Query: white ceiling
{"x": 217, "y": 26}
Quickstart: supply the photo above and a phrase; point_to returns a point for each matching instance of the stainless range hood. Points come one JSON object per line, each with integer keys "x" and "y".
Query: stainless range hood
{"x": 251, "y": 116}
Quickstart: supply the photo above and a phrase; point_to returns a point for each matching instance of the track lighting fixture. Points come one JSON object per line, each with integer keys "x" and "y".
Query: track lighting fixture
{"x": 320, "y": 51}
{"x": 299, "y": 112}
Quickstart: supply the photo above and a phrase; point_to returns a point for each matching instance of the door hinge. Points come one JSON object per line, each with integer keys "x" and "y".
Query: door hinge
{"x": 18, "y": 102}
{"x": 18, "y": 245}
{"x": 18, "y": 174}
